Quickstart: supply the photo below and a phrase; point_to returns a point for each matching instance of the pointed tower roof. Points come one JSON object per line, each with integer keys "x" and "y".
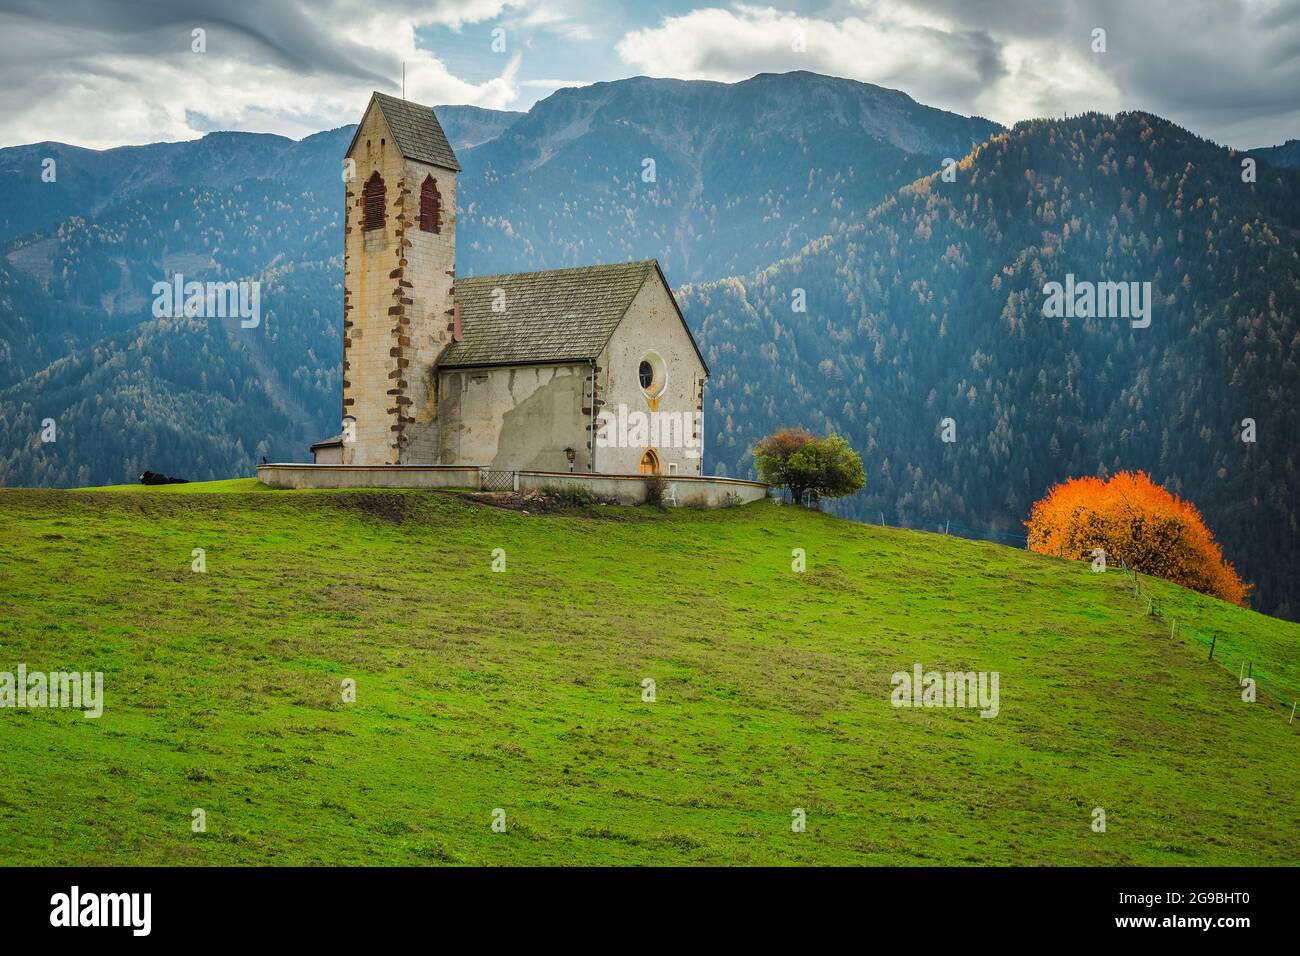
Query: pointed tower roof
{"x": 416, "y": 131}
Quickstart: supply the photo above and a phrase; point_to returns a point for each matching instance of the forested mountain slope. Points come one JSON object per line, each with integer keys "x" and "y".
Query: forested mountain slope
{"x": 924, "y": 297}
{"x": 933, "y": 309}
{"x": 766, "y": 164}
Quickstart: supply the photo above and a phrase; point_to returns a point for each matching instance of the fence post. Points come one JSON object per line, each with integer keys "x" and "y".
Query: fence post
{"x": 1292, "y": 713}
{"x": 1173, "y": 626}
{"x": 1214, "y": 640}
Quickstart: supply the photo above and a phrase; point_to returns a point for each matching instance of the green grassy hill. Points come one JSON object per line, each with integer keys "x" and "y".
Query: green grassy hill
{"x": 522, "y": 691}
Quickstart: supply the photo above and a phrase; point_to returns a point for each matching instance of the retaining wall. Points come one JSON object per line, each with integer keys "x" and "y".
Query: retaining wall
{"x": 680, "y": 491}
{"x": 368, "y": 476}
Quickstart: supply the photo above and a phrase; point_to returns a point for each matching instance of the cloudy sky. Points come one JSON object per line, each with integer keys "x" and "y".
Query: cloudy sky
{"x": 104, "y": 73}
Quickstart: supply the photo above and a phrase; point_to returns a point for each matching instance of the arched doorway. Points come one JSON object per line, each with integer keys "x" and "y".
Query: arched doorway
{"x": 650, "y": 462}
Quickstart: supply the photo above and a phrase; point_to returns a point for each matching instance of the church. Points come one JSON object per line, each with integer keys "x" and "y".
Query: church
{"x": 538, "y": 371}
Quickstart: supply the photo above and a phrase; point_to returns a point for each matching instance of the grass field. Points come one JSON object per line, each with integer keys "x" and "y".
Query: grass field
{"x": 522, "y": 690}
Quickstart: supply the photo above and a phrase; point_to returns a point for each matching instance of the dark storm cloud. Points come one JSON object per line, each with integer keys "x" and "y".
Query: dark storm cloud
{"x": 108, "y": 71}
{"x": 286, "y": 33}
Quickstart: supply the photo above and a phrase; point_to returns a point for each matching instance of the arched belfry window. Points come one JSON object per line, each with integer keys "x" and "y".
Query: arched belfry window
{"x": 372, "y": 202}
{"x": 430, "y": 206}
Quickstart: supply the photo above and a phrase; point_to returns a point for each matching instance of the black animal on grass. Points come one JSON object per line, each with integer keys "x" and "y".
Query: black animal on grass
{"x": 157, "y": 478}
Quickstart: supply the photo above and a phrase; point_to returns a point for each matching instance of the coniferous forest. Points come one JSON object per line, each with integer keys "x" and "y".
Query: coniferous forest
{"x": 834, "y": 277}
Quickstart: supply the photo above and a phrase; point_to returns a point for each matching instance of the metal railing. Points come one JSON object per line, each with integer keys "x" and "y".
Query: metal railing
{"x": 489, "y": 480}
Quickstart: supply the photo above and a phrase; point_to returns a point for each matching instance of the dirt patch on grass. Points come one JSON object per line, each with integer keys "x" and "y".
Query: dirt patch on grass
{"x": 562, "y": 503}
{"x": 530, "y": 502}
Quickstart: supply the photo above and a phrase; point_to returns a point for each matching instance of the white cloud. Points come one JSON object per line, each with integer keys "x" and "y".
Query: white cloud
{"x": 1043, "y": 80}
{"x": 1225, "y": 69}
{"x": 562, "y": 19}
{"x": 103, "y": 84}
{"x": 892, "y": 44}
{"x": 108, "y": 72}
{"x": 552, "y": 84}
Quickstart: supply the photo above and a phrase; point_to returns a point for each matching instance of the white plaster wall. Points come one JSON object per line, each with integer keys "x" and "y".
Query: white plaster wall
{"x": 651, "y": 324}
{"x": 514, "y": 417}
{"x": 329, "y": 455}
{"x": 366, "y": 476}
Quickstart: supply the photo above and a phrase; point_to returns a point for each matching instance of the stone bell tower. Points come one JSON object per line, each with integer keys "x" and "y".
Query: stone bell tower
{"x": 399, "y": 266}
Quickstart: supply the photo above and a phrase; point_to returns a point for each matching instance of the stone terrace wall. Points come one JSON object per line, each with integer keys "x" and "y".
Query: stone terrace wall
{"x": 681, "y": 491}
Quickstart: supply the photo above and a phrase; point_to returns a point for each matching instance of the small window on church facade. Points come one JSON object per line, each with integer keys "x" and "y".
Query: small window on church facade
{"x": 650, "y": 375}
{"x": 372, "y": 202}
{"x": 430, "y": 206}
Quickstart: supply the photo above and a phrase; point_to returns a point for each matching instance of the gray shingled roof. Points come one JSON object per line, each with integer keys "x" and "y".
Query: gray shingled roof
{"x": 417, "y": 132}
{"x": 556, "y": 316}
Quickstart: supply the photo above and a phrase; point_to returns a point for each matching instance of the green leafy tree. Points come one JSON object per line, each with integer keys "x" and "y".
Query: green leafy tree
{"x": 772, "y": 455}
{"x": 826, "y": 467}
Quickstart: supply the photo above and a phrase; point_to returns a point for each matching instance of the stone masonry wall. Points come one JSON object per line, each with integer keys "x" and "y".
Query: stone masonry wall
{"x": 397, "y": 300}
{"x": 424, "y": 289}
{"x": 368, "y": 257}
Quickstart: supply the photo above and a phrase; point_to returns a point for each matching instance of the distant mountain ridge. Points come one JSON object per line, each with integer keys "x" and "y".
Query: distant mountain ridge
{"x": 932, "y": 309}
{"x": 924, "y": 297}
{"x": 584, "y": 147}
{"x": 1288, "y": 154}
{"x": 89, "y": 181}
{"x": 700, "y": 173}
{"x": 560, "y": 185}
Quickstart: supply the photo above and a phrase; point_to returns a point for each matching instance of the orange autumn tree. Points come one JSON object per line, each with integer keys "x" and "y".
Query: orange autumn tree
{"x": 1132, "y": 518}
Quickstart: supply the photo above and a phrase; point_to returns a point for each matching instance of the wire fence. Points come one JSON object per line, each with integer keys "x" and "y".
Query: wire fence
{"x": 1219, "y": 655}
{"x": 1223, "y": 656}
